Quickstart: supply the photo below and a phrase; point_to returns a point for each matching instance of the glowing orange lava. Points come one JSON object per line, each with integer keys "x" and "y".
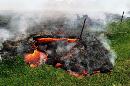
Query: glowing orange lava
{"x": 35, "y": 59}
{"x": 56, "y": 39}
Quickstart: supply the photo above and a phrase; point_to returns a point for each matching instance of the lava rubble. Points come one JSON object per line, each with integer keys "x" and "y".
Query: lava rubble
{"x": 86, "y": 56}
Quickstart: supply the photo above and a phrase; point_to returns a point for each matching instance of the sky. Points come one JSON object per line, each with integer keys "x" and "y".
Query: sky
{"x": 74, "y": 6}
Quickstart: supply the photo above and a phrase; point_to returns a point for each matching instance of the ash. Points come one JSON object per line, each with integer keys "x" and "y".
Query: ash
{"x": 87, "y": 54}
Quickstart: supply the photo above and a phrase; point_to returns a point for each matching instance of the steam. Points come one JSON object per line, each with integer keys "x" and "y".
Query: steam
{"x": 106, "y": 43}
{"x": 71, "y": 6}
{"x": 5, "y": 34}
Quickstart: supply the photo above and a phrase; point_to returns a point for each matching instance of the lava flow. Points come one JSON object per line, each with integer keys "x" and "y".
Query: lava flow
{"x": 36, "y": 58}
{"x": 56, "y": 39}
{"x": 67, "y": 53}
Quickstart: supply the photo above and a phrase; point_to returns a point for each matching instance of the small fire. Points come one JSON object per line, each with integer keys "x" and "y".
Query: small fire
{"x": 36, "y": 58}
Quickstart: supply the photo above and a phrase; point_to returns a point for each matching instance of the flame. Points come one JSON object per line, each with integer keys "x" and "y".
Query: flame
{"x": 35, "y": 59}
{"x": 56, "y": 39}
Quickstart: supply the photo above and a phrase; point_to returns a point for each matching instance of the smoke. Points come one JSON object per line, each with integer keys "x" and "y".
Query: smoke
{"x": 28, "y": 13}
{"x": 106, "y": 43}
{"x": 5, "y": 34}
{"x": 71, "y": 6}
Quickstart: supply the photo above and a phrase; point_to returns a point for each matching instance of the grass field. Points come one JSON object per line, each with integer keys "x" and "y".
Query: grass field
{"x": 17, "y": 73}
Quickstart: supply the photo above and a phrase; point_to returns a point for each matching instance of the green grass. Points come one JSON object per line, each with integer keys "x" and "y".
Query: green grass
{"x": 18, "y": 74}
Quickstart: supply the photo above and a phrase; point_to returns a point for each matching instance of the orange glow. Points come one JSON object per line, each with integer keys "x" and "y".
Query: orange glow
{"x": 58, "y": 65}
{"x": 33, "y": 65}
{"x": 80, "y": 76}
{"x": 35, "y": 59}
{"x": 56, "y": 39}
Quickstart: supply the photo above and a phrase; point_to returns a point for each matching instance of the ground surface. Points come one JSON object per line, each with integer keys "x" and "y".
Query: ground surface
{"x": 17, "y": 73}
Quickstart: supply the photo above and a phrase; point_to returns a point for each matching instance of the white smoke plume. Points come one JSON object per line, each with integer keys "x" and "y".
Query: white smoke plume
{"x": 81, "y": 6}
{"x": 106, "y": 43}
{"x": 28, "y": 9}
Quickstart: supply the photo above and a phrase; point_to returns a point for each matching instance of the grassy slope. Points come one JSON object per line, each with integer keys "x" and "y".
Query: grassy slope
{"x": 19, "y": 74}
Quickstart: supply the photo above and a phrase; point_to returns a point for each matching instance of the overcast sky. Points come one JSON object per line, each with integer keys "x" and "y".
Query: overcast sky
{"x": 115, "y": 6}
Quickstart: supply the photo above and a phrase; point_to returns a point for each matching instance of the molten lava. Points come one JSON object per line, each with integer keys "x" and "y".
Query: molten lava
{"x": 36, "y": 58}
{"x": 45, "y": 40}
{"x": 39, "y": 56}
